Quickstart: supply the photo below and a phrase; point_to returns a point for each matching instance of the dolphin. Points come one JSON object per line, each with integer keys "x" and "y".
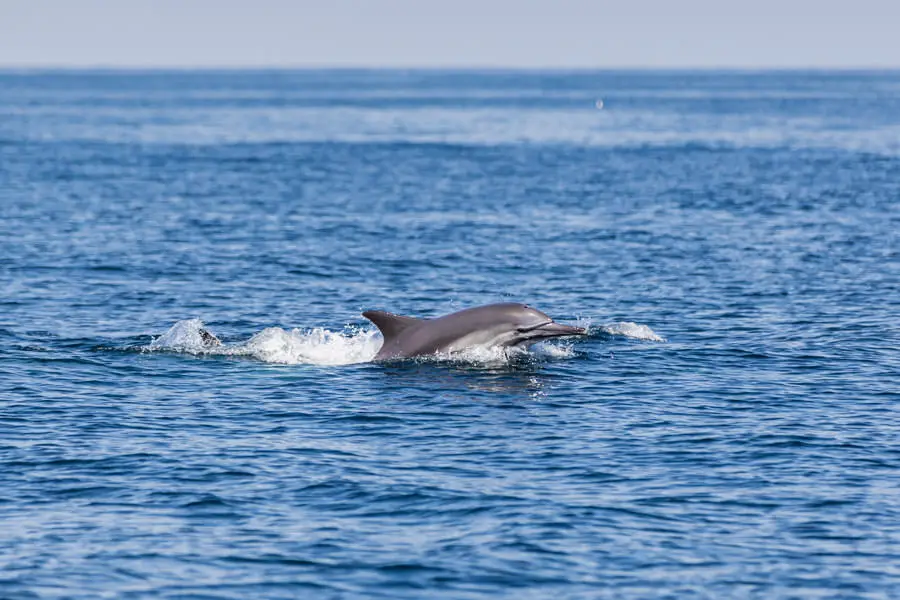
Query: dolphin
{"x": 506, "y": 324}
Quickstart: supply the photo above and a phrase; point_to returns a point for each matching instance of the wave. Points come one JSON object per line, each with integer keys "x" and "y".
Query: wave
{"x": 632, "y": 330}
{"x": 353, "y": 345}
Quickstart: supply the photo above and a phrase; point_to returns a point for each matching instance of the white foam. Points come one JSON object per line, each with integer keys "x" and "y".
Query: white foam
{"x": 275, "y": 345}
{"x": 479, "y": 356}
{"x": 553, "y": 350}
{"x": 498, "y": 356}
{"x": 632, "y": 330}
{"x": 315, "y": 346}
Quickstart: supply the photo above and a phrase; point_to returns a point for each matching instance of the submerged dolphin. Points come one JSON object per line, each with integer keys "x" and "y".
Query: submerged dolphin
{"x": 208, "y": 339}
{"x": 506, "y": 324}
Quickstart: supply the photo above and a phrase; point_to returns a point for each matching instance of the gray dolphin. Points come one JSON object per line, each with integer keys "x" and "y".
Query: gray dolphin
{"x": 505, "y": 324}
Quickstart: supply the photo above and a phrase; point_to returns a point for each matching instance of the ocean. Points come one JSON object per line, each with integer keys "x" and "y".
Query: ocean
{"x": 729, "y": 428}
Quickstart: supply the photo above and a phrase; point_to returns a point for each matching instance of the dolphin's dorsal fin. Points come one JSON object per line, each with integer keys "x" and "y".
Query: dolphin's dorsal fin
{"x": 389, "y": 324}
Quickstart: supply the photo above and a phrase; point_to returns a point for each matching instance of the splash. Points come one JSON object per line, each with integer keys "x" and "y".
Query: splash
{"x": 553, "y": 351}
{"x": 496, "y": 356}
{"x": 315, "y": 346}
{"x": 620, "y": 328}
{"x": 632, "y": 330}
{"x": 276, "y": 345}
{"x": 183, "y": 336}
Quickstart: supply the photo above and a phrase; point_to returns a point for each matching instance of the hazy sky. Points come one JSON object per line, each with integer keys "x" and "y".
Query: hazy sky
{"x": 480, "y": 33}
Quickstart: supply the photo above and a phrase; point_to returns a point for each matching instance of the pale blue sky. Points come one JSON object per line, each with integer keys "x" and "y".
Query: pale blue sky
{"x": 457, "y": 33}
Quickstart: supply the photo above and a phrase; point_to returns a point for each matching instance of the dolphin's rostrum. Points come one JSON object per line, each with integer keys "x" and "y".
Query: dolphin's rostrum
{"x": 504, "y": 325}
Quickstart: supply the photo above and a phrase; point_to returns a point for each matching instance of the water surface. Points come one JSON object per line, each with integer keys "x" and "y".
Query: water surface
{"x": 728, "y": 429}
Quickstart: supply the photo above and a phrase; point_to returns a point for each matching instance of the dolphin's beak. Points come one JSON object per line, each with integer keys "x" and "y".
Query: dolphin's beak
{"x": 553, "y": 329}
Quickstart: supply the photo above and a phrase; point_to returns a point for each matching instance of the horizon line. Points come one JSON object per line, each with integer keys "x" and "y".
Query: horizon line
{"x": 112, "y": 68}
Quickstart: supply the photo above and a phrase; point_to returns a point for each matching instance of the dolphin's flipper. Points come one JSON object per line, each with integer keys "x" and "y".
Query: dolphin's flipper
{"x": 389, "y": 324}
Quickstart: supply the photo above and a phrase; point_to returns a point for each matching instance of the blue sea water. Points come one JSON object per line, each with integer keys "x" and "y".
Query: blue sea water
{"x": 730, "y": 427}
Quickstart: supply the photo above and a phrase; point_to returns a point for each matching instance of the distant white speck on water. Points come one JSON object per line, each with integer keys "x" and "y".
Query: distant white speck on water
{"x": 599, "y": 104}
